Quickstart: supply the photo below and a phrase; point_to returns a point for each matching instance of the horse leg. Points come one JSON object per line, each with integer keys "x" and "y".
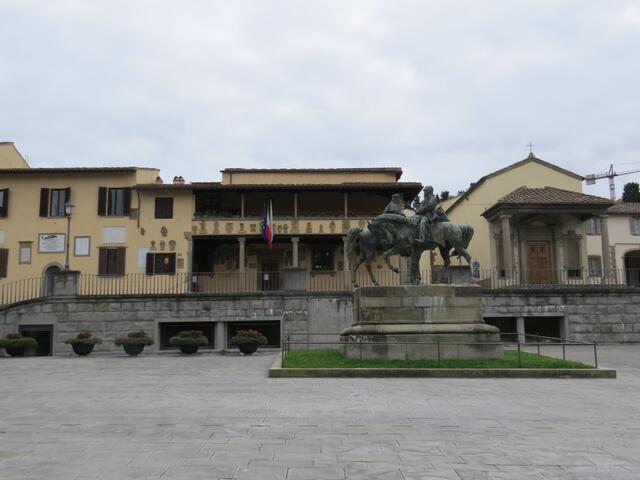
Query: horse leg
{"x": 354, "y": 269}
{"x": 444, "y": 253}
{"x": 414, "y": 269}
{"x": 373, "y": 279}
{"x": 467, "y": 257}
{"x": 387, "y": 254}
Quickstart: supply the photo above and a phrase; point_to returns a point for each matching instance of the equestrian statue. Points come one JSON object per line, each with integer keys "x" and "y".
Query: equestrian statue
{"x": 394, "y": 232}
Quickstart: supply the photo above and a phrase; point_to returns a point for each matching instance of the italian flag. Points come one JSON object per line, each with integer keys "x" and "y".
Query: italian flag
{"x": 267, "y": 223}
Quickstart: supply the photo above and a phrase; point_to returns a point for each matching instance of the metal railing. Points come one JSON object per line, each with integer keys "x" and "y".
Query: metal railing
{"x": 526, "y": 343}
{"x": 495, "y": 279}
{"x": 23, "y": 290}
{"x": 253, "y": 281}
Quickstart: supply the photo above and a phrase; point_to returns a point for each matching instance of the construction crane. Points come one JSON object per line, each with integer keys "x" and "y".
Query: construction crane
{"x": 610, "y": 174}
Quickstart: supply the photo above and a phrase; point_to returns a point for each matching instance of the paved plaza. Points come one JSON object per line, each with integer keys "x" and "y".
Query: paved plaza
{"x": 211, "y": 416}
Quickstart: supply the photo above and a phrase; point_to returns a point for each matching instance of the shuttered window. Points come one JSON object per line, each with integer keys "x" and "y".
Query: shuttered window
{"x": 4, "y": 202}
{"x": 164, "y": 207}
{"x": 58, "y": 199}
{"x": 52, "y": 201}
{"x": 4, "y": 262}
{"x": 111, "y": 261}
{"x": 114, "y": 202}
{"x": 161, "y": 264}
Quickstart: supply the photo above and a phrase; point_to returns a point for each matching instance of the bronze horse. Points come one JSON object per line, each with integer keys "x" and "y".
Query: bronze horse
{"x": 390, "y": 234}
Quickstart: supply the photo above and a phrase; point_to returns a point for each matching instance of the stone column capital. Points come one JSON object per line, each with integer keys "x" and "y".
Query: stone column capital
{"x": 242, "y": 240}
{"x": 505, "y": 216}
{"x": 295, "y": 239}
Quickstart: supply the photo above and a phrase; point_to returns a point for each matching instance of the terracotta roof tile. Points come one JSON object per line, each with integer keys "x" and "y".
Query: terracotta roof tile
{"x": 628, "y": 208}
{"x": 549, "y": 196}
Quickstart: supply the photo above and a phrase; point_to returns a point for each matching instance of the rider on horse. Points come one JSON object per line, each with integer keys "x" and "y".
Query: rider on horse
{"x": 431, "y": 212}
{"x": 396, "y": 206}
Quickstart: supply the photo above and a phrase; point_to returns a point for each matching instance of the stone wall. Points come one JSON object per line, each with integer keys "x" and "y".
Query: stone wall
{"x": 114, "y": 316}
{"x": 589, "y": 314}
{"x": 602, "y": 315}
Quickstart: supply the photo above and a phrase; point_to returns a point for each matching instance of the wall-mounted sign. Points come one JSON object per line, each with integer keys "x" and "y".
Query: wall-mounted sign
{"x": 51, "y": 242}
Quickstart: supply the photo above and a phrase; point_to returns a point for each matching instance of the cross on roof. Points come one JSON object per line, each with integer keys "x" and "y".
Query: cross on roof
{"x": 530, "y": 145}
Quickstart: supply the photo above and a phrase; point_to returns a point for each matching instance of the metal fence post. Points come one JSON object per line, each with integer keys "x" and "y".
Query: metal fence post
{"x": 595, "y": 354}
{"x": 519, "y": 357}
{"x": 360, "y": 344}
{"x": 438, "y": 347}
{"x": 564, "y": 355}
{"x": 538, "y": 348}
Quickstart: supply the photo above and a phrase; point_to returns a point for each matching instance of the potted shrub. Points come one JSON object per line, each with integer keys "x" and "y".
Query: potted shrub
{"x": 15, "y": 344}
{"x": 189, "y": 341}
{"x": 134, "y": 342}
{"x": 83, "y": 343}
{"x": 248, "y": 341}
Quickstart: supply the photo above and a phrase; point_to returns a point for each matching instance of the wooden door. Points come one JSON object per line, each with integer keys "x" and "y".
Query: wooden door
{"x": 539, "y": 262}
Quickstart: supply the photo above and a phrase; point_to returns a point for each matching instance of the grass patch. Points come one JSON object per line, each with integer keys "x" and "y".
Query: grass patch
{"x": 334, "y": 359}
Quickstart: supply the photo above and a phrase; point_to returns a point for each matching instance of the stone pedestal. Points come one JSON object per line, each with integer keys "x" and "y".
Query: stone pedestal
{"x": 64, "y": 283}
{"x": 453, "y": 275}
{"x": 293, "y": 279}
{"x": 441, "y": 315}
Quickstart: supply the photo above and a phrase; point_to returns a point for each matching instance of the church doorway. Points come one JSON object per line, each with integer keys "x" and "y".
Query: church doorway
{"x": 539, "y": 262}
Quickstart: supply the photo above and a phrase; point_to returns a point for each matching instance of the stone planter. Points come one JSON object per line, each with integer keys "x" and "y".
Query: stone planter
{"x": 82, "y": 349}
{"x": 16, "y": 351}
{"x": 189, "y": 349}
{"x": 248, "y": 348}
{"x": 133, "y": 349}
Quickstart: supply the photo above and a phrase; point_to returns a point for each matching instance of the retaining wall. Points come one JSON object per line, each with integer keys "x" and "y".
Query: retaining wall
{"x": 601, "y": 315}
{"x": 110, "y": 317}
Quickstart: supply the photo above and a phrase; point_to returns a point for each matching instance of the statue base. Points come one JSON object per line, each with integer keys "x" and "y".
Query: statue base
{"x": 412, "y": 322}
{"x": 453, "y": 275}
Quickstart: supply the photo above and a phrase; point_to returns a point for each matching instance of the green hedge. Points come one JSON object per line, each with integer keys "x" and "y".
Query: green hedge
{"x": 85, "y": 338}
{"x": 14, "y": 340}
{"x": 189, "y": 337}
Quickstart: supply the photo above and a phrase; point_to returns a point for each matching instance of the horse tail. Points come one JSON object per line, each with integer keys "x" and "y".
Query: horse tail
{"x": 467, "y": 234}
{"x": 353, "y": 236}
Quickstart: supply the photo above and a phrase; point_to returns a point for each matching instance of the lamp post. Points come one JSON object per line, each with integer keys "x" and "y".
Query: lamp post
{"x": 68, "y": 211}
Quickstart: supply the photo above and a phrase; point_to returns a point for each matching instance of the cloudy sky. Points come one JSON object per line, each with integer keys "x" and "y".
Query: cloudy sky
{"x": 449, "y": 91}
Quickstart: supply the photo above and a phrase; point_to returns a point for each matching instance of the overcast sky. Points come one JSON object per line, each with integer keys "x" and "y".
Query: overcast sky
{"x": 449, "y": 91}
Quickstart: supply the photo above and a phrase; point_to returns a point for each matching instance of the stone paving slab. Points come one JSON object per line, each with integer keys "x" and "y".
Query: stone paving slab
{"x": 211, "y": 416}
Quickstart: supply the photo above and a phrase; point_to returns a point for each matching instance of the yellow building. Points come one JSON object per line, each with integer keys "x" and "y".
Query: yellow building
{"x": 127, "y": 228}
{"x": 623, "y": 232}
{"x": 33, "y": 225}
{"x": 528, "y": 216}
{"x": 10, "y": 157}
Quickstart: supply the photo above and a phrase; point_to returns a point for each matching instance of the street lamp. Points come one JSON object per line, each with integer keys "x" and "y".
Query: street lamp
{"x": 68, "y": 211}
